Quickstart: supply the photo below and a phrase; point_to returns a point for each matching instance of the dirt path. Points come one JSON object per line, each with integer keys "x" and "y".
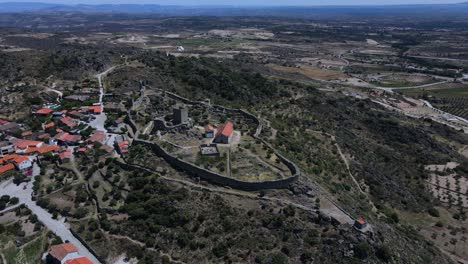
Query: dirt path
{"x": 348, "y": 168}
{"x": 3, "y": 259}
{"x": 148, "y": 248}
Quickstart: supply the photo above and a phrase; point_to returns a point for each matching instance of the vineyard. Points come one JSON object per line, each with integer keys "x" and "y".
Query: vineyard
{"x": 456, "y": 105}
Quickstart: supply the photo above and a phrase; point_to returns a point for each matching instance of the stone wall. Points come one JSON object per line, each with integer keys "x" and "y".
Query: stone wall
{"x": 210, "y": 176}
{"x": 217, "y": 178}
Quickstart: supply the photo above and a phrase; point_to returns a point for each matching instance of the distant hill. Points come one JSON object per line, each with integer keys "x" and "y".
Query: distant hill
{"x": 296, "y": 11}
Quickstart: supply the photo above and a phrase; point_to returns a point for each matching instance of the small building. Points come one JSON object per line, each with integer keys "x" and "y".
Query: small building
{"x": 224, "y": 133}
{"x": 65, "y": 156}
{"x": 209, "y": 131}
{"x": 98, "y": 136}
{"x": 68, "y": 121}
{"x": 21, "y": 145}
{"x": 78, "y": 98}
{"x": 180, "y": 115}
{"x": 209, "y": 150}
{"x": 360, "y": 223}
{"x": 122, "y": 147}
{"x": 180, "y": 48}
{"x": 60, "y": 254}
{"x": 107, "y": 149}
{"x": 465, "y": 77}
{"x": 26, "y": 134}
{"x": 42, "y": 150}
{"x": 43, "y": 136}
{"x": 49, "y": 125}
{"x": 68, "y": 139}
{"x": 80, "y": 260}
{"x": 6, "y": 148}
{"x": 44, "y": 111}
{"x": 95, "y": 109}
{"x": 22, "y": 163}
{"x": 76, "y": 114}
{"x": 113, "y": 107}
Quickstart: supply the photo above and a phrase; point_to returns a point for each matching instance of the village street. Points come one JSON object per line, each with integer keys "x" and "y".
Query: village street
{"x": 58, "y": 227}
{"x": 100, "y": 120}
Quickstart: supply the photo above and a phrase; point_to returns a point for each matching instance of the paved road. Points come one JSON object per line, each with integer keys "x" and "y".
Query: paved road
{"x": 437, "y": 58}
{"x": 57, "y": 226}
{"x": 391, "y": 89}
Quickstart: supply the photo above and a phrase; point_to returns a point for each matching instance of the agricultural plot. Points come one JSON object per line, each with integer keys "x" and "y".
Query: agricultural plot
{"x": 457, "y": 106}
{"x": 451, "y": 189}
{"x": 447, "y": 185}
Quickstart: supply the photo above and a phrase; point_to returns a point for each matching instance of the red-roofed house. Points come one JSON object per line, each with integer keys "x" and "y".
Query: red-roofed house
{"x": 44, "y": 111}
{"x": 22, "y": 145}
{"x": 65, "y": 156}
{"x": 26, "y": 134}
{"x": 2, "y": 122}
{"x": 80, "y": 260}
{"x": 81, "y": 150}
{"x": 224, "y": 133}
{"x": 43, "y": 149}
{"x": 122, "y": 147}
{"x": 360, "y": 223}
{"x": 43, "y": 136}
{"x": 59, "y": 254}
{"x": 68, "y": 121}
{"x": 48, "y": 125}
{"x": 98, "y": 136}
{"x": 67, "y": 138}
{"x": 6, "y": 168}
{"x": 95, "y": 109}
{"x": 20, "y": 162}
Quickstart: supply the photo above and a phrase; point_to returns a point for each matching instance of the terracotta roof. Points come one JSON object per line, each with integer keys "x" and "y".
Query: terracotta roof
{"x": 96, "y": 109}
{"x": 65, "y": 119}
{"x": 81, "y": 150}
{"x": 26, "y": 133}
{"x": 60, "y": 251}
{"x": 68, "y": 121}
{"x": 2, "y": 121}
{"x": 15, "y": 158}
{"x": 22, "y": 143}
{"x": 226, "y": 129}
{"x": 44, "y": 135}
{"x": 6, "y": 168}
{"x": 361, "y": 221}
{"x": 123, "y": 143}
{"x": 97, "y": 136}
{"x": 80, "y": 260}
{"x": 43, "y": 149}
{"x": 58, "y": 130}
{"x": 65, "y": 154}
{"x": 49, "y": 125}
{"x": 44, "y": 111}
{"x": 209, "y": 128}
{"x": 68, "y": 137}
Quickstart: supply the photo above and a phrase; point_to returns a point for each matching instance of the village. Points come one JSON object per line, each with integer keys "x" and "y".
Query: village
{"x": 57, "y": 133}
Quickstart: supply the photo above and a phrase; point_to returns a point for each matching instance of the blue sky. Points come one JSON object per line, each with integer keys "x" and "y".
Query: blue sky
{"x": 246, "y": 2}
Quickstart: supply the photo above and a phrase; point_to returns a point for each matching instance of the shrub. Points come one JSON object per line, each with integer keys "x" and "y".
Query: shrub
{"x": 383, "y": 253}
{"x": 433, "y": 212}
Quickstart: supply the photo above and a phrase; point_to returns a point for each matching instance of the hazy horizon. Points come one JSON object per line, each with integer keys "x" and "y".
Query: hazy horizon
{"x": 245, "y": 2}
